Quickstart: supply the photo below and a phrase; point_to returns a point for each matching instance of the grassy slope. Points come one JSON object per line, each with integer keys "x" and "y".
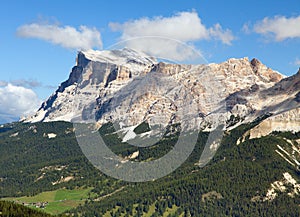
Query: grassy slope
{"x": 59, "y": 201}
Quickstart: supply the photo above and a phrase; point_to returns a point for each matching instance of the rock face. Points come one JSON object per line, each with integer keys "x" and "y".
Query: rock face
{"x": 288, "y": 121}
{"x": 280, "y": 100}
{"x": 132, "y": 88}
{"x": 93, "y": 74}
{"x": 264, "y": 72}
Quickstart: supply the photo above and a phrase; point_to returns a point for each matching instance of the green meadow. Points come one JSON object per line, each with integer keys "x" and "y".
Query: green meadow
{"x": 59, "y": 200}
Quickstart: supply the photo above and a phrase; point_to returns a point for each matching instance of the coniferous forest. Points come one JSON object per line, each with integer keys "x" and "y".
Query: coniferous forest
{"x": 234, "y": 183}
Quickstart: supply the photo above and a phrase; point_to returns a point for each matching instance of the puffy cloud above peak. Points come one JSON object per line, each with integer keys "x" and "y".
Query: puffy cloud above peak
{"x": 279, "y": 28}
{"x": 65, "y": 36}
{"x": 186, "y": 27}
{"x": 224, "y": 35}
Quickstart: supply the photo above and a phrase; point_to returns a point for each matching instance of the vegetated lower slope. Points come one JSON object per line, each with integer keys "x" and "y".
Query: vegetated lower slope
{"x": 235, "y": 183}
{"x": 39, "y": 157}
{"x": 11, "y": 209}
{"x": 56, "y": 201}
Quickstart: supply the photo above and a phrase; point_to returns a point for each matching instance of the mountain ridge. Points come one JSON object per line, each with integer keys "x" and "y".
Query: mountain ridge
{"x": 96, "y": 87}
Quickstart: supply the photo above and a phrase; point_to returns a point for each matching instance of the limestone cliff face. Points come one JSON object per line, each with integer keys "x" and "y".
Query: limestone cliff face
{"x": 283, "y": 122}
{"x": 132, "y": 87}
{"x": 93, "y": 74}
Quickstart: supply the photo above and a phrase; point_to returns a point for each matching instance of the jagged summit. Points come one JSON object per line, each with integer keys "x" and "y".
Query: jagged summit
{"x": 132, "y": 86}
{"x": 264, "y": 71}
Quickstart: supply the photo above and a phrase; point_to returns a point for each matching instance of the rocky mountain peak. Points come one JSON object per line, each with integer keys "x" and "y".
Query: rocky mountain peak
{"x": 81, "y": 60}
{"x": 133, "y": 86}
{"x": 255, "y": 63}
{"x": 265, "y": 72}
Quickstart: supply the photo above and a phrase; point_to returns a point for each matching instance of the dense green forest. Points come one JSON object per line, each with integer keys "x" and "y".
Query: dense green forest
{"x": 10, "y": 209}
{"x": 31, "y": 162}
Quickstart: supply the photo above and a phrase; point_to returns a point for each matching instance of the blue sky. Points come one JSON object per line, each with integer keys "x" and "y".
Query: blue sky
{"x": 40, "y": 38}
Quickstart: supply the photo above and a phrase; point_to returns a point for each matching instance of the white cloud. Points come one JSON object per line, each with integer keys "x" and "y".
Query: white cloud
{"x": 224, "y": 35}
{"x": 184, "y": 26}
{"x": 157, "y": 36}
{"x": 66, "y": 36}
{"x": 164, "y": 48}
{"x": 16, "y": 101}
{"x": 279, "y": 27}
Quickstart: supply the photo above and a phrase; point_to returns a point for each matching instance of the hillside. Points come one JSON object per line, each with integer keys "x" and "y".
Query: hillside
{"x": 12, "y": 209}
{"x": 238, "y": 181}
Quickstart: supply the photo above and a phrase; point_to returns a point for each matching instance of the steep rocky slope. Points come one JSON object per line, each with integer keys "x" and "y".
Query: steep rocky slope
{"x": 131, "y": 87}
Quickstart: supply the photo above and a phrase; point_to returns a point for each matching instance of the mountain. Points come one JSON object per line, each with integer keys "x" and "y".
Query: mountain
{"x": 254, "y": 168}
{"x": 131, "y": 87}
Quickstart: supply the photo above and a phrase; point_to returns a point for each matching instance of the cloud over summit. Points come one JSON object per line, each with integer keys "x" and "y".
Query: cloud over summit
{"x": 66, "y": 36}
{"x": 279, "y": 28}
{"x": 186, "y": 27}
